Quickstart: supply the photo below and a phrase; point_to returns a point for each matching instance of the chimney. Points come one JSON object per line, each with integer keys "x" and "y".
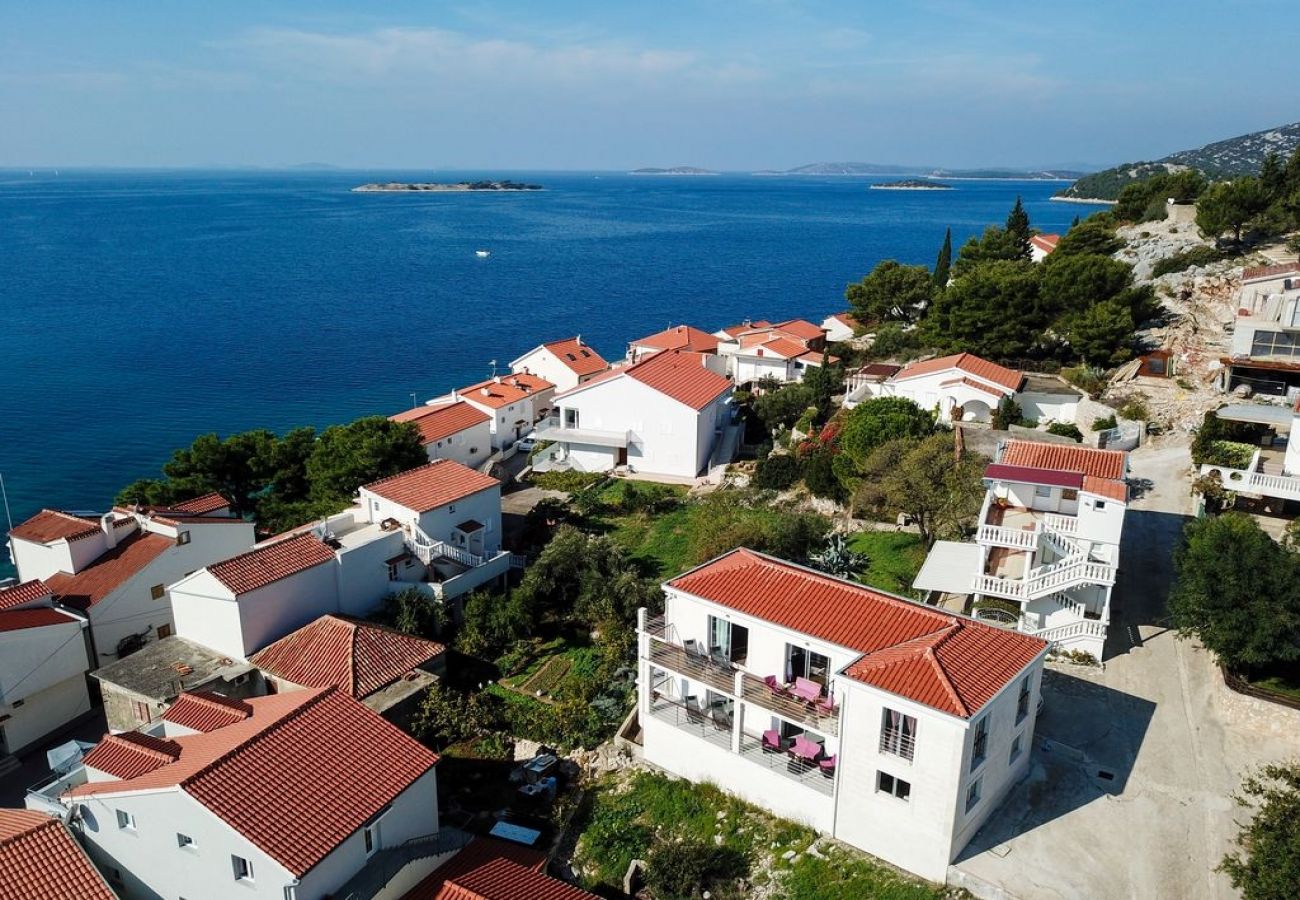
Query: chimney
{"x": 106, "y": 525}
{"x": 496, "y": 378}
{"x": 486, "y": 392}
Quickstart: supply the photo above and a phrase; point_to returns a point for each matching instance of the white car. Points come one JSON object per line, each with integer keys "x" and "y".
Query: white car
{"x": 526, "y": 444}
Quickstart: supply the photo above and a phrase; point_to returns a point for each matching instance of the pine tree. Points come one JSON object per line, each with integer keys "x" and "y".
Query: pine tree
{"x": 1271, "y": 176}
{"x": 943, "y": 264}
{"x": 1018, "y": 225}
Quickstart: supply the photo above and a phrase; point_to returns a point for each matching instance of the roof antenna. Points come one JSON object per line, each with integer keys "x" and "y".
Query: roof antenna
{"x": 5, "y": 495}
{"x": 493, "y": 364}
{"x": 414, "y": 404}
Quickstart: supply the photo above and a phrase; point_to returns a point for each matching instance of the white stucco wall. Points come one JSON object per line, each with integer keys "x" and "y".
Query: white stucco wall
{"x": 35, "y": 560}
{"x": 469, "y": 446}
{"x": 1100, "y": 519}
{"x": 1049, "y": 407}
{"x": 363, "y": 574}
{"x": 44, "y": 710}
{"x": 541, "y": 361}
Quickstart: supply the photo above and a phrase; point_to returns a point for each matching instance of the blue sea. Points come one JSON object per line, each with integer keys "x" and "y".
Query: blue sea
{"x": 141, "y": 309}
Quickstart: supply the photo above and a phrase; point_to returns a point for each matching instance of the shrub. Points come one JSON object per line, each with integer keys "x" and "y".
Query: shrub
{"x": 777, "y": 472}
{"x": 1087, "y": 379}
{"x": 1134, "y": 408}
{"x": 1197, "y": 256}
{"x": 690, "y": 868}
{"x": 819, "y": 475}
{"x": 1228, "y": 453}
{"x": 1007, "y": 414}
{"x": 1214, "y": 429}
{"x": 1065, "y": 429}
{"x": 893, "y": 340}
{"x": 570, "y": 481}
{"x": 1104, "y": 424}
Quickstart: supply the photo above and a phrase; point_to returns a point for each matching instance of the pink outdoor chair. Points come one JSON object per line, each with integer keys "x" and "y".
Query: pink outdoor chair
{"x": 827, "y": 765}
{"x": 771, "y": 741}
{"x": 805, "y": 690}
{"x": 775, "y": 686}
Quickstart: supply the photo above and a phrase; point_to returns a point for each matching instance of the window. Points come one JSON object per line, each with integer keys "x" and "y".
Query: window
{"x": 1042, "y": 490}
{"x": 1100, "y": 504}
{"x": 243, "y": 868}
{"x": 897, "y": 733}
{"x": 973, "y": 794}
{"x": 182, "y": 538}
{"x": 897, "y": 787}
{"x": 1022, "y": 702}
{"x": 374, "y": 504}
{"x": 370, "y": 834}
{"x": 157, "y": 591}
{"x": 1069, "y": 494}
{"x": 981, "y": 743}
{"x": 451, "y": 508}
{"x": 184, "y": 841}
{"x": 1274, "y": 343}
{"x": 164, "y": 631}
{"x": 141, "y": 710}
{"x": 1015, "y": 749}
{"x": 392, "y": 571}
{"x": 125, "y": 820}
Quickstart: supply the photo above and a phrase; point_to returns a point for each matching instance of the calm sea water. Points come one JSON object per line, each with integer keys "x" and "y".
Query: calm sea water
{"x": 138, "y": 310}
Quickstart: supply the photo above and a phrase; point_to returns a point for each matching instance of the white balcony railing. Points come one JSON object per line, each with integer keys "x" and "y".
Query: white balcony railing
{"x": 895, "y": 742}
{"x": 552, "y": 430}
{"x": 1046, "y": 580}
{"x": 1001, "y": 536}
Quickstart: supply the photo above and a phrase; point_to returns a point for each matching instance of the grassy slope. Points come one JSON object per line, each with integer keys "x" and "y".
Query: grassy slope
{"x": 896, "y": 557}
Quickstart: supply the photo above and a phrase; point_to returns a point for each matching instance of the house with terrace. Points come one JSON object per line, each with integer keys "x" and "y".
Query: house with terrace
{"x": 290, "y": 795}
{"x": 1264, "y": 357}
{"x": 890, "y": 725}
{"x": 512, "y": 403}
{"x": 1046, "y": 548}
{"x": 669, "y": 414}
{"x": 762, "y": 351}
{"x": 1272, "y": 472}
{"x": 115, "y": 568}
{"x": 458, "y": 431}
{"x": 565, "y": 364}
{"x": 41, "y": 860}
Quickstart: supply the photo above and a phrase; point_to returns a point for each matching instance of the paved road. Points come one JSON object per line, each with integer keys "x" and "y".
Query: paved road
{"x": 1153, "y": 721}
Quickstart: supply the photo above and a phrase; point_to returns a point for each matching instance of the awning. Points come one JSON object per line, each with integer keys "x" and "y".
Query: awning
{"x": 950, "y": 568}
{"x": 1258, "y": 413}
{"x": 469, "y": 526}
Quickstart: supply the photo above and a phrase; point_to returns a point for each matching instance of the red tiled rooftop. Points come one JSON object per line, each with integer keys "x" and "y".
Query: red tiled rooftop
{"x": 41, "y": 860}
{"x": 1045, "y": 242}
{"x": 131, "y": 754}
{"x": 504, "y": 390}
{"x": 427, "y": 487}
{"x": 680, "y": 337}
{"x": 51, "y": 525}
{"x": 354, "y": 656}
{"x": 200, "y": 506}
{"x": 583, "y": 360}
{"x": 734, "y": 331}
{"x": 801, "y": 328}
{"x": 22, "y": 594}
{"x": 948, "y": 662}
{"x": 846, "y": 319}
{"x": 1279, "y": 270}
{"x": 1065, "y": 458}
{"x": 489, "y": 869}
{"x": 110, "y": 570}
{"x": 269, "y": 562}
{"x": 18, "y": 619}
{"x": 681, "y": 376}
{"x": 973, "y": 385}
{"x": 205, "y": 711}
{"x": 1111, "y": 489}
{"x": 966, "y": 362}
{"x": 438, "y": 422}
{"x": 296, "y": 778}
{"x": 783, "y": 347}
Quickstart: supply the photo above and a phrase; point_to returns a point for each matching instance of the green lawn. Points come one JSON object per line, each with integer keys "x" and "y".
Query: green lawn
{"x": 896, "y": 557}
{"x": 1283, "y": 679}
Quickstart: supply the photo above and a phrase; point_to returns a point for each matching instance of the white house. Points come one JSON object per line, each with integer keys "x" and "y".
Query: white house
{"x": 890, "y": 725}
{"x": 457, "y": 431}
{"x": 43, "y": 664}
{"x": 676, "y": 337}
{"x": 41, "y": 859}
{"x": 1273, "y": 471}
{"x": 663, "y": 416}
{"x": 1046, "y": 549}
{"x": 1042, "y": 245}
{"x": 962, "y": 387}
{"x": 781, "y": 351}
{"x": 289, "y": 795}
{"x": 436, "y": 528}
{"x": 115, "y": 568}
{"x": 513, "y": 403}
{"x": 565, "y": 364}
{"x": 841, "y": 326}
{"x": 1265, "y": 354}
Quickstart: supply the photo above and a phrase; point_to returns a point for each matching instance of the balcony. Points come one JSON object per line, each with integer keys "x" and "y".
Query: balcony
{"x": 44, "y": 795}
{"x": 897, "y": 743}
{"x": 550, "y": 429}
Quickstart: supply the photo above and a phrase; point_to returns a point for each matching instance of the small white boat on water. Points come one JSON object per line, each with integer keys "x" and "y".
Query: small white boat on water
{"x": 482, "y": 254}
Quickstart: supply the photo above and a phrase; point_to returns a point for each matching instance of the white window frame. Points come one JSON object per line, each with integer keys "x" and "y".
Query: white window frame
{"x": 893, "y": 790}
{"x": 238, "y": 863}
{"x": 125, "y": 821}
{"x": 979, "y": 748}
{"x": 974, "y": 794}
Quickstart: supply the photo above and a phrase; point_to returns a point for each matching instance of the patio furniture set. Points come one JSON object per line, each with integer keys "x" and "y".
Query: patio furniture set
{"x": 804, "y": 690}
{"x": 804, "y": 754}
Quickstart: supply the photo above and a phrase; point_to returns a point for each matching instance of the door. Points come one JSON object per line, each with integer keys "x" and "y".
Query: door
{"x": 622, "y": 456}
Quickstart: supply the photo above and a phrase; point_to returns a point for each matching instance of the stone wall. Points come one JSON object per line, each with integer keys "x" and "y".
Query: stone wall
{"x": 1256, "y": 714}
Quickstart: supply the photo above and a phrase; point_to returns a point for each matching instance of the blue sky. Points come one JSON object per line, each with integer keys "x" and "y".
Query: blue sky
{"x": 608, "y": 85}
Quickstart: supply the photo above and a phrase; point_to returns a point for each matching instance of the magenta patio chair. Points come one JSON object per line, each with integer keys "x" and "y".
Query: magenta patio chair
{"x": 771, "y": 741}
{"x": 826, "y": 706}
{"x": 775, "y": 686}
{"x": 805, "y": 750}
{"x": 827, "y": 765}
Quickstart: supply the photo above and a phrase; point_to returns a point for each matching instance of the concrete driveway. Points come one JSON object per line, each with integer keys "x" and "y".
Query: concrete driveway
{"x": 1134, "y": 766}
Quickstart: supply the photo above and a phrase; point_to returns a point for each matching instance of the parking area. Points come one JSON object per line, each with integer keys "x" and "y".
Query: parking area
{"x": 1134, "y": 766}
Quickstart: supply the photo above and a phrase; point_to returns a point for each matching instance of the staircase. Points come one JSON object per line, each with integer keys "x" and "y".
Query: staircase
{"x": 1086, "y": 628}
{"x": 427, "y": 550}
{"x": 1043, "y": 581}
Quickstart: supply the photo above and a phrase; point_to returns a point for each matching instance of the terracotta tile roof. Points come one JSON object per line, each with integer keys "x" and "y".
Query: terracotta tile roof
{"x": 17, "y": 619}
{"x": 974, "y": 385}
{"x": 23, "y": 594}
{"x": 354, "y": 656}
{"x": 1045, "y": 242}
{"x": 815, "y": 357}
{"x": 845, "y": 319}
{"x": 504, "y": 390}
{"x": 269, "y": 562}
{"x": 1269, "y": 272}
{"x": 199, "y": 506}
{"x": 1066, "y": 458}
{"x": 801, "y": 328}
{"x": 300, "y": 775}
{"x": 966, "y": 362}
{"x": 205, "y": 711}
{"x": 948, "y": 662}
{"x": 438, "y": 422}
{"x": 782, "y": 347}
{"x": 680, "y": 337}
{"x": 488, "y": 869}
{"x": 110, "y": 570}
{"x": 40, "y": 859}
{"x": 132, "y": 754}
{"x": 427, "y": 487}
{"x": 583, "y": 360}
{"x": 51, "y": 525}
{"x": 734, "y": 331}
{"x": 681, "y": 376}
{"x": 1109, "y": 488}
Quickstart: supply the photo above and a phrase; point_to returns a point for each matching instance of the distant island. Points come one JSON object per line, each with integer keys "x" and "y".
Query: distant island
{"x": 674, "y": 170}
{"x": 912, "y": 184}
{"x": 397, "y": 186}
{"x": 861, "y": 168}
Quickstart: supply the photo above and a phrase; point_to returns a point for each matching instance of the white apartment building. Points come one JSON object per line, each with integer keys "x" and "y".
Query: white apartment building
{"x": 512, "y": 403}
{"x": 565, "y": 364}
{"x": 1265, "y": 354}
{"x": 890, "y": 725}
{"x": 436, "y": 528}
{"x": 115, "y": 568}
{"x": 783, "y": 351}
{"x": 457, "y": 431}
{"x": 667, "y": 415}
{"x": 43, "y": 664}
{"x": 1046, "y": 549}
{"x": 284, "y": 796}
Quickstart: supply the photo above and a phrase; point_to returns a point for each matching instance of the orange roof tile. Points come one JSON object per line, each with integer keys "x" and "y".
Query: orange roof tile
{"x": 18, "y": 619}
{"x": 846, "y": 319}
{"x": 40, "y": 859}
{"x": 488, "y": 869}
{"x": 735, "y": 331}
{"x": 801, "y": 328}
{"x": 427, "y": 487}
{"x": 296, "y": 778}
{"x": 23, "y": 594}
{"x": 1109, "y": 488}
{"x": 110, "y": 570}
{"x": 680, "y": 337}
{"x": 504, "y": 390}
{"x": 200, "y": 506}
{"x": 1110, "y": 464}
{"x": 681, "y": 376}
{"x": 205, "y": 711}
{"x": 1045, "y": 242}
{"x": 782, "y": 347}
{"x": 1269, "y": 272}
{"x": 355, "y": 656}
{"x": 948, "y": 662}
{"x": 583, "y": 360}
{"x": 973, "y": 384}
{"x": 51, "y": 525}
{"x": 966, "y": 362}
{"x": 438, "y": 422}
{"x": 269, "y": 562}
{"x": 815, "y": 357}
{"x": 131, "y": 754}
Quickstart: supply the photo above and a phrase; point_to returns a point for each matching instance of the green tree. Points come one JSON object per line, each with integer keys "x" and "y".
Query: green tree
{"x": 993, "y": 245}
{"x": 925, "y": 481}
{"x": 413, "y": 612}
{"x": 1272, "y": 177}
{"x": 1087, "y": 238}
{"x": 823, "y": 382}
{"x": 776, "y": 472}
{"x": 289, "y": 464}
{"x": 1238, "y": 591}
{"x": 1267, "y": 864}
{"x": 240, "y": 468}
{"x": 879, "y": 420}
{"x": 1230, "y": 206}
{"x": 992, "y": 310}
{"x": 1018, "y": 227}
{"x": 146, "y": 492}
{"x": 943, "y": 265}
{"x": 348, "y": 456}
{"x": 892, "y": 292}
{"x": 781, "y": 408}
{"x": 892, "y": 340}
{"x": 1102, "y": 334}
{"x": 1071, "y": 284}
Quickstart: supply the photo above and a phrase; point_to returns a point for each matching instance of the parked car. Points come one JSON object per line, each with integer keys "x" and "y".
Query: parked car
{"x": 526, "y": 444}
